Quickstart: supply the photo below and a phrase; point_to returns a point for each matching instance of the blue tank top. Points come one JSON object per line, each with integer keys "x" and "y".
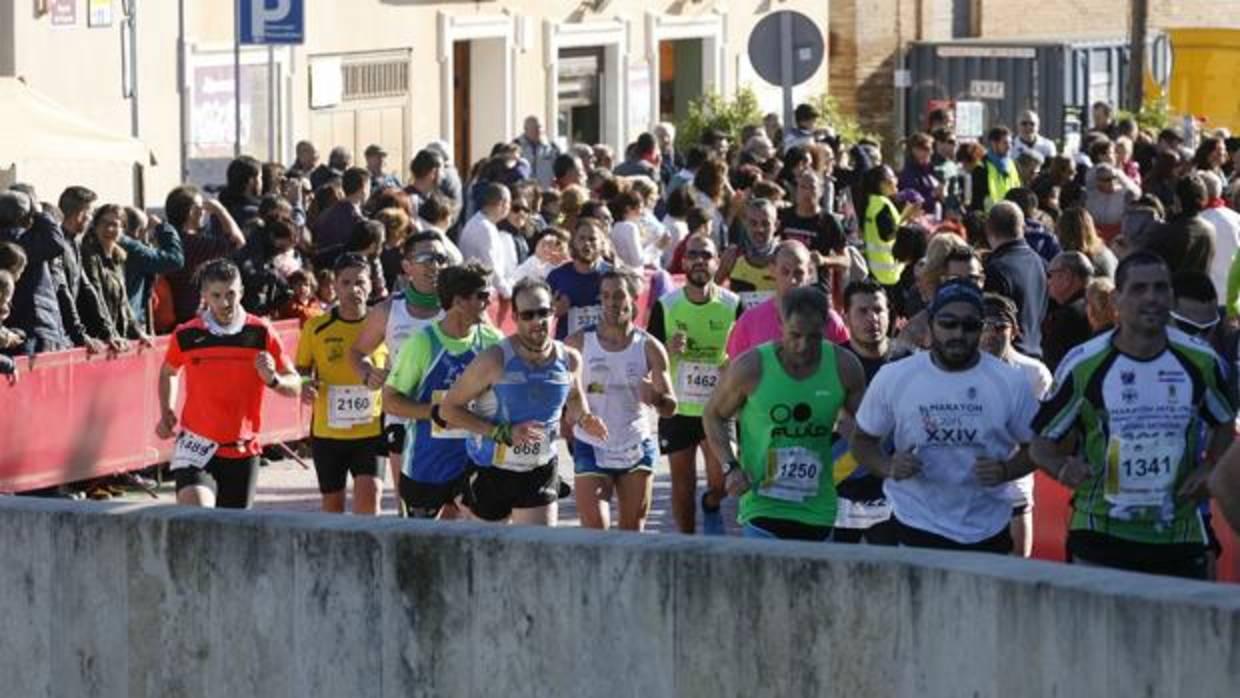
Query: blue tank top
{"x": 524, "y": 393}
{"x": 434, "y": 454}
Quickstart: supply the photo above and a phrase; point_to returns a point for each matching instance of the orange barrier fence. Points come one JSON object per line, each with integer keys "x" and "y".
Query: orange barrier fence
{"x": 72, "y": 417}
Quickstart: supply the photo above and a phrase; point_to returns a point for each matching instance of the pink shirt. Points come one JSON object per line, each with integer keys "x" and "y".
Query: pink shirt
{"x": 761, "y": 324}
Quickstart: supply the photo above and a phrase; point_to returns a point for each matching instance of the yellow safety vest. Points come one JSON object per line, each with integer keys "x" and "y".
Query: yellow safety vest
{"x": 883, "y": 265}
{"x": 998, "y": 184}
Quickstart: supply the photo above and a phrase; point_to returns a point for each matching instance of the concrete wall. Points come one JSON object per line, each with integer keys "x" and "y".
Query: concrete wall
{"x": 132, "y": 601}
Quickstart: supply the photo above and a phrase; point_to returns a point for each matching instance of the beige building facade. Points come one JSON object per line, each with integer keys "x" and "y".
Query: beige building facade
{"x": 399, "y": 73}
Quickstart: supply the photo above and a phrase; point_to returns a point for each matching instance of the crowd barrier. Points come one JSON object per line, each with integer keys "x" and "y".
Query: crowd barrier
{"x": 72, "y": 417}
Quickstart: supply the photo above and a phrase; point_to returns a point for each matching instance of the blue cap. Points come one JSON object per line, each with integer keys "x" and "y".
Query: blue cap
{"x": 956, "y": 291}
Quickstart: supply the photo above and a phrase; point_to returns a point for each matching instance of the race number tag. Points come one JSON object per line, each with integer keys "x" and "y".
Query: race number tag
{"x": 1141, "y": 472}
{"x": 192, "y": 451}
{"x": 583, "y": 317}
{"x": 792, "y": 474}
{"x": 861, "y": 515}
{"x": 525, "y": 456}
{"x": 751, "y": 298}
{"x": 439, "y": 432}
{"x": 619, "y": 458}
{"x": 696, "y": 381}
{"x": 349, "y": 406}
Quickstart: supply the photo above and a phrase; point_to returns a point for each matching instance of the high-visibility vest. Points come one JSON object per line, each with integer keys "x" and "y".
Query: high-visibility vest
{"x": 878, "y": 252}
{"x": 999, "y": 184}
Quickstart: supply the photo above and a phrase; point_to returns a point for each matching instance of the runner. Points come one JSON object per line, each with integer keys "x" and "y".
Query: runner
{"x": 229, "y": 356}
{"x": 960, "y": 419}
{"x": 347, "y": 433}
{"x": 793, "y": 268}
{"x": 785, "y": 397}
{"x": 626, "y": 380}
{"x": 576, "y": 283}
{"x": 748, "y": 268}
{"x": 391, "y": 322}
{"x": 1136, "y": 396}
{"x": 694, "y": 323}
{"x": 999, "y": 330}
{"x": 433, "y": 469}
{"x": 522, "y": 388}
{"x": 864, "y": 513}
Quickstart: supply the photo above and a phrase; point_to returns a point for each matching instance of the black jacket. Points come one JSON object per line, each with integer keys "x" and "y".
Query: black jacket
{"x": 36, "y": 309}
{"x": 81, "y": 306}
{"x": 1014, "y": 270}
{"x": 1185, "y": 242}
{"x": 1066, "y": 326}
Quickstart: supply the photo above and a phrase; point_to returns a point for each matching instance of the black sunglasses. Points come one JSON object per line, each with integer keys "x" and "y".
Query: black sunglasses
{"x": 970, "y": 326}
{"x": 534, "y": 314}
{"x": 699, "y": 254}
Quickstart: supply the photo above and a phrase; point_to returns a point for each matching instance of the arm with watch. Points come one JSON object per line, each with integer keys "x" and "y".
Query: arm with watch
{"x": 738, "y": 380}
{"x": 286, "y": 382}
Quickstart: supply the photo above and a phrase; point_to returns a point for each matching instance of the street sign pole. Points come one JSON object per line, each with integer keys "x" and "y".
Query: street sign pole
{"x": 785, "y": 64}
{"x": 237, "y": 80}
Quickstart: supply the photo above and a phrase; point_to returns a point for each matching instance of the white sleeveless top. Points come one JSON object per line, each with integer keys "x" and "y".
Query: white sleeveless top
{"x": 612, "y": 381}
{"x": 400, "y": 325}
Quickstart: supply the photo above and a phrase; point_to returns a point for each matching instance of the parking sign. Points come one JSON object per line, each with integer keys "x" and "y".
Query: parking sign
{"x": 271, "y": 21}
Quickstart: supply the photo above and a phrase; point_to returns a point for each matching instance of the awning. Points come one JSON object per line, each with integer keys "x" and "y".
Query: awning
{"x": 36, "y": 128}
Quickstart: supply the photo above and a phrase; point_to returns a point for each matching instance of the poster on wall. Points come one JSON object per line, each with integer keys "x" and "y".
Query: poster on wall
{"x": 639, "y": 98}
{"x": 212, "y": 134}
{"x": 63, "y": 12}
{"x": 99, "y": 13}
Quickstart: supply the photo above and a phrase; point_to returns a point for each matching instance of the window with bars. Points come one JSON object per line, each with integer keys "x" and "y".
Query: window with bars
{"x": 371, "y": 79}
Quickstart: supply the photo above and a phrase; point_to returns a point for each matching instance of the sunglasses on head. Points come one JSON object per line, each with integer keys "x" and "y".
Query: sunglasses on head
{"x": 430, "y": 258}
{"x": 534, "y": 314}
{"x": 951, "y": 324}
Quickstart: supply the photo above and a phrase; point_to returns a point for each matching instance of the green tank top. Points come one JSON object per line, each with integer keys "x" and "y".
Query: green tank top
{"x": 785, "y": 435}
{"x": 706, "y": 326}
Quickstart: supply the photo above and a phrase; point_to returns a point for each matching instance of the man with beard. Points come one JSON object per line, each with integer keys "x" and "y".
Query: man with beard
{"x": 395, "y": 320}
{"x": 785, "y": 397}
{"x": 1144, "y": 400}
{"x": 520, "y": 390}
{"x": 576, "y": 283}
{"x": 999, "y": 330}
{"x": 747, "y": 268}
{"x": 694, "y": 322}
{"x": 626, "y": 379}
{"x": 433, "y": 465}
{"x": 864, "y": 513}
{"x": 960, "y": 421}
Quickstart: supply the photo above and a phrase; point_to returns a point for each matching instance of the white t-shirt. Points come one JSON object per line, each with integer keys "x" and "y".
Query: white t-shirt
{"x": 677, "y": 230}
{"x": 1226, "y": 224}
{"x": 1040, "y": 381}
{"x": 949, "y": 420}
{"x": 481, "y": 240}
{"x": 626, "y": 237}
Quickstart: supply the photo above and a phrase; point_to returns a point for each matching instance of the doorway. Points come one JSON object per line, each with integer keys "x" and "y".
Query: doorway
{"x": 461, "y": 98}
{"x": 580, "y": 95}
{"x": 479, "y": 107}
{"x": 681, "y": 76}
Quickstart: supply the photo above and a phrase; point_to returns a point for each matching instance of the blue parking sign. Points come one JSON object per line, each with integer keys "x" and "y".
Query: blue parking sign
{"x": 271, "y": 21}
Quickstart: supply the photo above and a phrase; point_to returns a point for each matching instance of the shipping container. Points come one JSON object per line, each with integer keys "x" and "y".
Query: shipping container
{"x": 1206, "y": 80}
{"x": 991, "y": 81}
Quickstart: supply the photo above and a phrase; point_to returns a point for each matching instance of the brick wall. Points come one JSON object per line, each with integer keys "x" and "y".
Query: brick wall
{"x": 866, "y": 36}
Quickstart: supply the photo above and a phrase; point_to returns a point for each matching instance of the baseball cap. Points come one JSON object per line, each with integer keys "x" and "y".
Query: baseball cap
{"x": 956, "y": 291}
{"x": 374, "y": 149}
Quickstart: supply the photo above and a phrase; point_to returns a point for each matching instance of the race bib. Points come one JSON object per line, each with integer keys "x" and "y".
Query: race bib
{"x": 524, "y": 456}
{"x": 192, "y": 451}
{"x": 751, "y": 298}
{"x": 1140, "y": 475}
{"x": 439, "y": 432}
{"x": 619, "y": 458}
{"x": 861, "y": 515}
{"x": 792, "y": 474}
{"x": 582, "y": 317}
{"x": 349, "y": 406}
{"x": 695, "y": 381}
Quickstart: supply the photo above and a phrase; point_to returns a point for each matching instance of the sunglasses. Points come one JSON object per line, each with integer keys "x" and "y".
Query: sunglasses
{"x": 534, "y": 314}
{"x": 1028, "y": 123}
{"x": 1197, "y": 329}
{"x": 970, "y": 326}
{"x": 484, "y": 295}
{"x": 430, "y": 258}
{"x": 699, "y": 254}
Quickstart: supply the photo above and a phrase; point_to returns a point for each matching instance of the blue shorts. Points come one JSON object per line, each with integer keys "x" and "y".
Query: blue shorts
{"x": 585, "y": 459}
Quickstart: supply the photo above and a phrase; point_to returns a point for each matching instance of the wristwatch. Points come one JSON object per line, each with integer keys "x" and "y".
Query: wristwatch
{"x": 275, "y": 380}
{"x": 733, "y": 464}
